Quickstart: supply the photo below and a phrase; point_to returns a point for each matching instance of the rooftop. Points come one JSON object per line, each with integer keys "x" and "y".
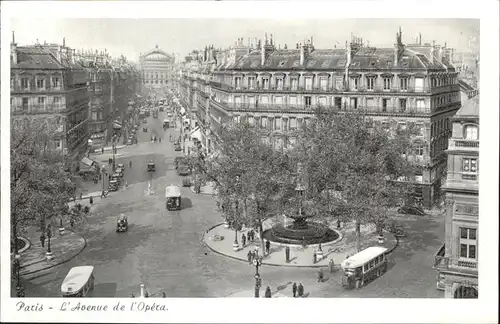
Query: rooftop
{"x": 470, "y": 108}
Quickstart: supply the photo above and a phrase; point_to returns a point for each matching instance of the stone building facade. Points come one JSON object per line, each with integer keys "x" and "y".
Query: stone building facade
{"x": 457, "y": 260}
{"x": 278, "y": 89}
{"x": 156, "y": 68}
{"x": 48, "y": 84}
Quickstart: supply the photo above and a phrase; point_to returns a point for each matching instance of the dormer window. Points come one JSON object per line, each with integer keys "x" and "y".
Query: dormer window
{"x": 471, "y": 132}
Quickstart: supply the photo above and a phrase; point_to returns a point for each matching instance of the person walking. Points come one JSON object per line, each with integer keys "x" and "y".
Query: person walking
{"x": 294, "y": 289}
{"x": 249, "y": 257}
{"x": 268, "y": 292}
{"x": 332, "y": 265}
{"x": 320, "y": 275}
{"x": 300, "y": 290}
{"x": 243, "y": 239}
{"x": 130, "y": 164}
{"x": 268, "y": 246}
{"x": 42, "y": 239}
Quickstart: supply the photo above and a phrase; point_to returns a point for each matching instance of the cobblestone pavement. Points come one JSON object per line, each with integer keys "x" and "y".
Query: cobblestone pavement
{"x": 163, "y": 249}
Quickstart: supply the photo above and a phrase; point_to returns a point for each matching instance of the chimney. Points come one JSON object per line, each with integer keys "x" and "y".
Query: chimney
{"x": 302, "y": 54}
{"x": 13, "y": 49}
{"x": 395, "y": 56}
{"x": 440, "y": 54}
{"x": 142, "y": 291}
{"x": 59, "y": 54}
{"x": 64, "y": 42}
{"x": 349, "y": 53}
{"x": 432, "y": 51}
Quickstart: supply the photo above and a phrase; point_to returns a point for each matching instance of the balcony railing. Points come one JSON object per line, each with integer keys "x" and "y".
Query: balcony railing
{"x": 37, "y": 109}
{"x": 465, "y": 144}
{"x": 442, "y": 262}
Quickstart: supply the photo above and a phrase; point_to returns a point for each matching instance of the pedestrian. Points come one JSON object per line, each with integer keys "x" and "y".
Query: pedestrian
{"x": 252, "y": 232}
{"x": 72, "y": 222}
{"x": 102, "y": 150}
{"x": 300, "y": 290}
{"x": 164, "y": 295}
{"x": 268, "y": 246}
{"x": 249, "y": 256}
{"x": 130, "y": 164}
{"x": 160, "y": 139}
{"x": 294, "y": 289}
{"x": 243, "y": 239}
{"x": 315, "y": 257}
{"x": 132, "y": 295}
{"x": 268, "y": 292}
{"x": 42, "y": 239}
{"x": 287, "y": 254}
{"x": 338, "y": 223}
{"x": 320, "y": 275}
{"x": 332, "y": 265}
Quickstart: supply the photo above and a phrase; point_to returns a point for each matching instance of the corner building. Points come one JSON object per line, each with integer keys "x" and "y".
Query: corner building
{"x": 457, "y": 260}
{"x": 278, "y": 89}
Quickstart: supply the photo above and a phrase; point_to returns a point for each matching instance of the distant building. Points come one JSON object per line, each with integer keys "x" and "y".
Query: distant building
{"x": 278, "y": 88}
{"x": 156, "y": 68}
{"x": 47, "y": 83}
{"x": 457, "y": 260}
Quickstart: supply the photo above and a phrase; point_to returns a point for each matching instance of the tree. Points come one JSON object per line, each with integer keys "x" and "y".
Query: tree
{"x": 41, "y": 182}
{"x": 343, "y": 153}
{"x": 247, "y": 174}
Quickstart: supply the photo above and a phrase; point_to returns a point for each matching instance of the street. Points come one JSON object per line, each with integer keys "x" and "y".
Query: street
{"x": 162, "y": 249}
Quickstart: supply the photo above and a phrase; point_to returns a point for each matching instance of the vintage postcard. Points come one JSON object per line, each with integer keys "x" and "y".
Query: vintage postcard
{"x": 183, "y": 161}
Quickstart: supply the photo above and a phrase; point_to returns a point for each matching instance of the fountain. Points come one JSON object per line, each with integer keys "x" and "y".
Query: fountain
{"x": 301, "y": 231}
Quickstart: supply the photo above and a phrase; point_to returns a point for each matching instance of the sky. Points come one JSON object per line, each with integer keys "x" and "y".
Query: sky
{"x": 131, "y": 37}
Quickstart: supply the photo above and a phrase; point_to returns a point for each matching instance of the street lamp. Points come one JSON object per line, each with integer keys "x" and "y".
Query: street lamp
{"x": 300, "y": 194}
{"x": 257, "y": 262}
{"x": 17, "y": 267}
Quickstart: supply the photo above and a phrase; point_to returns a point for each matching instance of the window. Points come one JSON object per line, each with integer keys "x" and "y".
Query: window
{"x": 471, "y": 132}
{"x": 293, "y": 123}
{"x": 265, "y": 83}
{"x": 370, "y": 81}
{"x": 277, "y": 123}
{"x": 338, "y": 83}
{"x": 419, "y": 84}
{"x": 309, "y": 83}
{"x": 295, "y": 84}
{"x": 57, "y": 100}
{"x": 338, "y": 102}
{"x": 402, "y": 104}
{"x": 420, "y": 105}
{"x": 57, "y": 144}
{"x": 41, "y": 100}
{"x": 251, "y": 82}
{"x": 419, "y": 148}
{"x": 387, "y": 83}
{"x": 385, "y": 103}
{"x": 324, "y": 84}
{"x": 56, "y": 82}
{"x": 25, "y": 83}
{"x": 354, "y": 83}
{"x": 279, "y": 84}
{"x": 369, "y": 102}
{"x": 307, "y": 100}
{"x": 263, "y": 122}
{"x": 354, "y": 103}
{"x": 40, "y": 83}
{"x": 469, "y": 165}
{"x": 237, "y": 82}
{"x": 468, "y": 243}
{"x": 403, "y": 82}
{"x": 420, "y": 128}
{"x": 25, "y": 102}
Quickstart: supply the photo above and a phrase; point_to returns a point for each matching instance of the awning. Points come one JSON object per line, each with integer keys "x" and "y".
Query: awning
{"x": 88, "y": 162}
{"x": 196, "y": 134}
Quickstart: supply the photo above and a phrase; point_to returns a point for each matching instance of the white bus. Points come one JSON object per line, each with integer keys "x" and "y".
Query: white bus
{"x": 364, "y": 266}
{"x": 79, "y": 282}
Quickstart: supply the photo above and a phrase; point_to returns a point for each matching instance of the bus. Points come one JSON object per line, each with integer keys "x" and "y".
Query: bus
{"x": 79, "y": 282}
{"x": 364, "y": 266}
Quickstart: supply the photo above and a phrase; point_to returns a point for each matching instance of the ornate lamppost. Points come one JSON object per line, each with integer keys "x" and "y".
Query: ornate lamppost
{"x": 17, "y": 268}
{"x": 257, "y": 262}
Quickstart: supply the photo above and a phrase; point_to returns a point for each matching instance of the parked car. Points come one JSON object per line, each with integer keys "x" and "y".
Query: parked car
{"x": 183, "y": 170}
{"x": 411, "y": 210}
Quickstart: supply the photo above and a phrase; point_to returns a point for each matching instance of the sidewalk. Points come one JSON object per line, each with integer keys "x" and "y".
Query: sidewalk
{"x": 205, "y": 190}
{"x": 64, "y": 247}
{"x": 300, "y": 256}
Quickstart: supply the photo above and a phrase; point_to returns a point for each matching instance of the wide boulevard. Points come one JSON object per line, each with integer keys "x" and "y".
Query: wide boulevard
{"x": 163, "y": 249}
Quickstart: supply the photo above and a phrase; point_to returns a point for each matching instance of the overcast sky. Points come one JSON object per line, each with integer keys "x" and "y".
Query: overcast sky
{"x": 131, "y": 37}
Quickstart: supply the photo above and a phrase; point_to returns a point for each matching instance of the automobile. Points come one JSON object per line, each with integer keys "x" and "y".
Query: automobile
{"x": 122, "y": 223}
{"x": 116, "y": 176}
{"x": 183, "y": 170}
{"x": 119, "y": 171}
{"x": 151, "y": 166}
{"x": 162, "y": 109}
{"x": 129, "y": 142}
{"x": 177, "y": 147}
{"x": 113, "y": 185}
{"x": 121, "y": 166}
{"x": 145, "y": 129}
{"x": 411, "y": 210}
{"x": 170, "y": 115}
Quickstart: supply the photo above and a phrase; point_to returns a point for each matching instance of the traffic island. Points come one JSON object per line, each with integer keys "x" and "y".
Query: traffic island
{"x": 220, "y": 240}
{"x": 63, "y": 248}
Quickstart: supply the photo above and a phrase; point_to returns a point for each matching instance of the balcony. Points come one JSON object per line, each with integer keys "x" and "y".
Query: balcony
{"x": 469, "y": 145}
{"x": 38, "y": 109}
{"x": 441, "y": 261}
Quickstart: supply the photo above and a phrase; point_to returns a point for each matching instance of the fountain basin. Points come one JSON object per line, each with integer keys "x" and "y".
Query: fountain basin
{"x": 312, "y": 233}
